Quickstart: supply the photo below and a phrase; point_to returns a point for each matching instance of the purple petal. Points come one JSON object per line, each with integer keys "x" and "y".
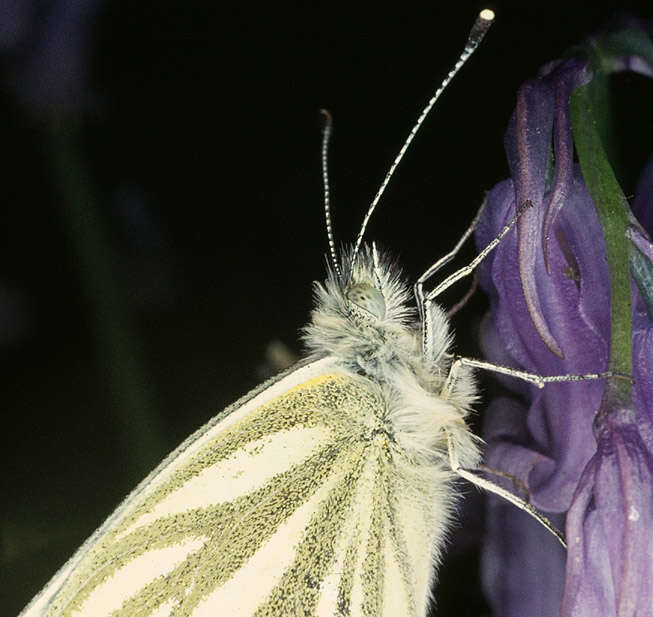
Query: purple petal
{"x": 527, "y": 146}
{"x": 609, "y": 526}
{"x": 574, "y": 297}
{"x": 549, "y": 285}
{"x": 568, "y": 77}
{"x": 608, "y": 38}
{"x": 542, "y": 105}
{"x": 523, "y": 569}
{"x": 632, "y": 63}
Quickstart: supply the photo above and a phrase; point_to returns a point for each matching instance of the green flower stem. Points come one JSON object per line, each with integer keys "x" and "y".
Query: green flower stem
{"x": 612, "y": 209}
{"x": 139, "y": 425}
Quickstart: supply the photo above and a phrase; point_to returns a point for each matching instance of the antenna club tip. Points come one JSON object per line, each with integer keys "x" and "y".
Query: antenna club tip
{"x": 486, "y": 15}
{"x": 482, "y": 24}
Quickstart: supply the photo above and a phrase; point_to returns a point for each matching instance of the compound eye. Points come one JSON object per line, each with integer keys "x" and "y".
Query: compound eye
{"x": 367, "y": 297}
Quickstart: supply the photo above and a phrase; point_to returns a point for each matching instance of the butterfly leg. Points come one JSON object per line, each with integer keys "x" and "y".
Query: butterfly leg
{"x": 501, "y": 492}
{"x": 516, "y": 482}
{"x": 534, "y": 378}
{"x": 468, "y": 294}
{"x": 469, "y": 268}
{"x": 443, "y": 261}
{"x": 425, "y": 303}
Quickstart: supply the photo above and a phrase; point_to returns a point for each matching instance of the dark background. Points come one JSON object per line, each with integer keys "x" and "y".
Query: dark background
{"x": 193, "y": 145}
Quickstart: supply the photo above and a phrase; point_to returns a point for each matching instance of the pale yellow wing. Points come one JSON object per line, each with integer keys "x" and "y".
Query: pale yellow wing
{"x": 292, "y": 502}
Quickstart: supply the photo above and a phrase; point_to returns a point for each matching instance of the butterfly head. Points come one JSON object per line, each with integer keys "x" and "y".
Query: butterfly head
{"x": 371, "y": 286}
{"x": 364, "y": 296}
{"x": 361, "y": 311}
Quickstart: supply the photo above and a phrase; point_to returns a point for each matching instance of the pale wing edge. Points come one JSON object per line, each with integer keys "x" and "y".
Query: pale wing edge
{"x": 296, "y": 374}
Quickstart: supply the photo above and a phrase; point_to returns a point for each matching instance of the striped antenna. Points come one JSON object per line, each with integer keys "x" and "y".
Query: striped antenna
{"x": 478, "y": 31}
{"x": 326, "y": 135}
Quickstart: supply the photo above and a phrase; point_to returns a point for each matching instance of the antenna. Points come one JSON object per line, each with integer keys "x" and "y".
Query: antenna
{"x": 326, "y": 135}
{"x": 478, "y": 31}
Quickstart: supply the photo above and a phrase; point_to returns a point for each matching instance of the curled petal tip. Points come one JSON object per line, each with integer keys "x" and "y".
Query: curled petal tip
{"x": 528, "y": 232}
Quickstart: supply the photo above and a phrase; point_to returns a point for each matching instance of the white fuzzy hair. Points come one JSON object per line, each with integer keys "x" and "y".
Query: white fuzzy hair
{"x": 386, "y": 351}
{"x": 384, "y": 348}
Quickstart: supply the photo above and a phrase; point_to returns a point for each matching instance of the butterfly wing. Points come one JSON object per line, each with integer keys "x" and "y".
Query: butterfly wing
{"x": 290, "y": 502}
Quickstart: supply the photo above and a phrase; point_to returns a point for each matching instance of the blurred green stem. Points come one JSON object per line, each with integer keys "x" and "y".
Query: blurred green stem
{"x": 138, "y": 424}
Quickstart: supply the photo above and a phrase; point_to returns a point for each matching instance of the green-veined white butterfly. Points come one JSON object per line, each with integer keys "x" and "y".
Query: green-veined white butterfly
{"x": 326, "y": 491}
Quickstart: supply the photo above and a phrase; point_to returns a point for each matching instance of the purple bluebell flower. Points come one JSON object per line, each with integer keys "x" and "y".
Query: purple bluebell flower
{"x": 610, "y": 521}
{"x": 550, "y": 313}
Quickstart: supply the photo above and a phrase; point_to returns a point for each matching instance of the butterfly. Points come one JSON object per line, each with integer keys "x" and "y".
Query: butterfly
{"x": 328, "y": 490}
